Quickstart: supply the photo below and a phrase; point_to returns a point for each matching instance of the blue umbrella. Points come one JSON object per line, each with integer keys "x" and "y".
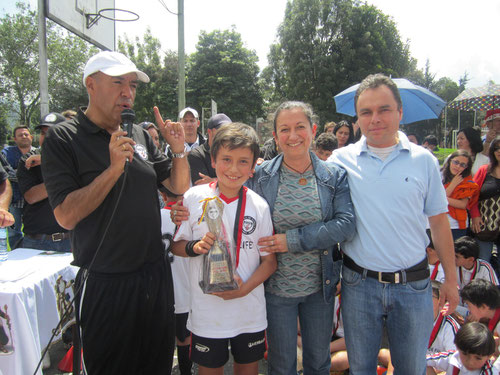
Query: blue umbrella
{"x": 418, "y": 102}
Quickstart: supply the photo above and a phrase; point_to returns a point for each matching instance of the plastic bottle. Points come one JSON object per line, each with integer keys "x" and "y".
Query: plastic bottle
{"x": 3, "y": 245}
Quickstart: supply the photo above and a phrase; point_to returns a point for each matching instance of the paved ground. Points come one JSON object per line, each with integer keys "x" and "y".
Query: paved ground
{"x": 57, "y": 352}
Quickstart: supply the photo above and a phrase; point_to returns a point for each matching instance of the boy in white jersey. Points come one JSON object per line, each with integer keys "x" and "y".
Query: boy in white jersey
{"x": 469, "y": 266}
{"x": 475, "y": 346}
{"x": 237, "y": 316}
{"x": 483, "y": 301}
{"x": 180, "y": 277}
{"x": 444, "y": 329}
{"x": 435, "y": 266}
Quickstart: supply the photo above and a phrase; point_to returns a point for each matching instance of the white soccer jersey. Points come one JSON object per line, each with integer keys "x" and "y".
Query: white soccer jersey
{"x": 449, "y": 361}
{"x": 443, "y": 339}
{"x": 338, "y": 325}
{"x": 437, "y": 272}
{"x": 211, "y": 316}
{"x": 180, "y": 265}
{"x": 481, "y": 270}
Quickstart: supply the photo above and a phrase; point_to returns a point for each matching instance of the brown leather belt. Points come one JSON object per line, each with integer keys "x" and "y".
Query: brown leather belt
{"x": 54, "y": 237}
{"x": 419, "y": 271}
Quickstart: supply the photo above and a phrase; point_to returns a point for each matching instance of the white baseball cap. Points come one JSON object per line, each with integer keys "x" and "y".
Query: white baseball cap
{"x": 193, "y": 111}
{"x": 113, "y": 64}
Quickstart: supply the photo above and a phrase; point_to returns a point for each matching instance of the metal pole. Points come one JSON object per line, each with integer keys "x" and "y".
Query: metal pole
{"x": 180, "y": 49}
{"x": 445, "y": 127}
{"x": 42, "y": 50}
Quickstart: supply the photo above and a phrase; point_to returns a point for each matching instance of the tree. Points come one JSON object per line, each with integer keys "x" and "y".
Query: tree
{"x": 325, "y": 46}
{"x": 19, "y": 65}
{"x": 222, "y": 69}
{"x": 161, "y": 69}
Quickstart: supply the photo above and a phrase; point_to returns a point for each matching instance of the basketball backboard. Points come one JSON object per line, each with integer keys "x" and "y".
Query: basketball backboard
{"x": 73, "y": 15}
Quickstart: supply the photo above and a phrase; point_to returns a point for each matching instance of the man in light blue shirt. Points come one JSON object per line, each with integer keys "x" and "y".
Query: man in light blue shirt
{"x": 395, "y": 188}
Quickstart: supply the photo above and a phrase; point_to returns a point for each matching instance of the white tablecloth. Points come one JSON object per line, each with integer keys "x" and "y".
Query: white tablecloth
{"x": 28, "y": 296}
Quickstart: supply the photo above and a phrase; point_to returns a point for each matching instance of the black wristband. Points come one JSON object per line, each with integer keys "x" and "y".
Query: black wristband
{"x": 190, "y": 248}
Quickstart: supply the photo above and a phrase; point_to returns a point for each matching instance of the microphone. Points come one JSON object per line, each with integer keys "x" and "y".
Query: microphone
{"x": 128, "y": 117}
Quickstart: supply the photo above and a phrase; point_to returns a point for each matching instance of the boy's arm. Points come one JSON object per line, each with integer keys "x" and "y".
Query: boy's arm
{"x": 182, "y": 248}
{"x": 268, "y": 265}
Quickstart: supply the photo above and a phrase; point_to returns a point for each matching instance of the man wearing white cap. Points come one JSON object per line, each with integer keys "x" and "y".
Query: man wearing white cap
{"x": 190, "y": 121}
{"x": 102, "y": 183}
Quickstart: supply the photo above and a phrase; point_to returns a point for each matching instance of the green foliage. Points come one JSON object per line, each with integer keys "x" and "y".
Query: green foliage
{"x": 222, "y": 69}
{"x": 161, "y": 69}
{"x": 19, "y": 65}
{"x": 443, "y": 153}
{"x": 326, "y": 46}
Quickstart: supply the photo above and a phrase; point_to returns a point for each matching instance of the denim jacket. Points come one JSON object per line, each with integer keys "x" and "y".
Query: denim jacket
{"x": 338, "y": 224}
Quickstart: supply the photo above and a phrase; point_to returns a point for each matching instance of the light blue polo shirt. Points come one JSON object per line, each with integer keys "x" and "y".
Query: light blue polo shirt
{"x": 392, "y": 200}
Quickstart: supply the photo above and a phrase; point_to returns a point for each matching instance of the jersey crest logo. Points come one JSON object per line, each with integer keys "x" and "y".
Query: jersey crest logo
{"x": 249, "y": 225}
{"x": 141, "y": 151}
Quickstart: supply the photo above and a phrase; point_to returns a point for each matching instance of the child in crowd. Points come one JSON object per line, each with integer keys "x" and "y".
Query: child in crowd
{"x": 461, "y": 191}
{"x": 324, "y": 145}
{"x": 180, "y": 276}
{"x": 475, "y": 345}
{"x": 469, "y": 266}
{"x": 445, "y": 327}
{"x": 437, "y": 272}
{"x": 238, "y": 316}
{"x": 483, "y": 301}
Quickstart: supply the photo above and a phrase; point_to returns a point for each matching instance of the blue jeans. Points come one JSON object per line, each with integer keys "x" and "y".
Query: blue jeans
{"x": 316, "y": 325}
{"x": 15, "y": 232}
{"x": 406, "y": 311}
{"x": 62, "y": 246}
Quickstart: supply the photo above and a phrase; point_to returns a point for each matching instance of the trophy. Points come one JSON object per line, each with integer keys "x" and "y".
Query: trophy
{"x": 218, "y": 264}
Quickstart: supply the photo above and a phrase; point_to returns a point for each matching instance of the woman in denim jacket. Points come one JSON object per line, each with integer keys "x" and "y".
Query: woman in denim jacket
{"x": 312, "y": 211}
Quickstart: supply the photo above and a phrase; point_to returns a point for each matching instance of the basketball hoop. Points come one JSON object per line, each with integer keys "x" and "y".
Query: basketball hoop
{"x": 111, "y": 14}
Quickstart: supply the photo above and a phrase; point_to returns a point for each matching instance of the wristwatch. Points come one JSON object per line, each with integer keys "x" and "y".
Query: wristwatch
{"x": 179, "y": 155}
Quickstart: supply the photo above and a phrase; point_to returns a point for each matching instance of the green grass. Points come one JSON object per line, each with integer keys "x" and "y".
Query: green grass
{"x": 443, "y": 153}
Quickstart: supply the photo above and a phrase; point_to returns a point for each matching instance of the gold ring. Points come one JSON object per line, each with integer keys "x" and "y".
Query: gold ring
{"x": 123, "y": 148}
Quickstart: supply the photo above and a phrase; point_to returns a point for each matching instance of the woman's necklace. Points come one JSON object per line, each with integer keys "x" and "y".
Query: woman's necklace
{"x": 302, "y": 180}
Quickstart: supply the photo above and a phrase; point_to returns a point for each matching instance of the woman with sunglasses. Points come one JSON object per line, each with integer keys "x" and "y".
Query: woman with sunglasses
{"x": 486, "y": 213}
{"x": 461, "y": 190}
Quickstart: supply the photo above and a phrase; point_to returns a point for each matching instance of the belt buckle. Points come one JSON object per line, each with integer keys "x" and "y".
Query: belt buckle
{"x": 56, "y": 237}
{"x": 396, "y": 278}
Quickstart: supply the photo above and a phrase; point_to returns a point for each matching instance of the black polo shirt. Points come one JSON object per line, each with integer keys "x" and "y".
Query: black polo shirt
{"x": 38, "y": 218}
{"x": 200, "y": 161}
{"x": 74, "y": 153}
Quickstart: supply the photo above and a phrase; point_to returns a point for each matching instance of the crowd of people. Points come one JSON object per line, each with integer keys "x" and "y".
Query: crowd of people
{"x": 350, "y": 244}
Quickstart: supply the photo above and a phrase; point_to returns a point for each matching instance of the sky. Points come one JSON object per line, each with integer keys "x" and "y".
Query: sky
{"x": 457, "y": 36}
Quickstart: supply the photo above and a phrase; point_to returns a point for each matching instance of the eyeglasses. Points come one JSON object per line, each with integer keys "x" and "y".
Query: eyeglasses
{"x": 457, "y": 163}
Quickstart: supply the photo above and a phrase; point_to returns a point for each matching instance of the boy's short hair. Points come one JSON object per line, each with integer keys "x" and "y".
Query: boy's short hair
{"x": 431, "y": 139}
{"x": 436, "y": 286}
{"x": 475, "y": 338}
{"x": 481, "y": 292}
{"x": 326, "y": 141}
{"x": 235, "y": 135}
{"x": 467, "y": 247}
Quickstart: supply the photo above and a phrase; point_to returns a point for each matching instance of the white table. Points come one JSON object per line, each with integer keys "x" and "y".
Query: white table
{"x": 28, "y": 289}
